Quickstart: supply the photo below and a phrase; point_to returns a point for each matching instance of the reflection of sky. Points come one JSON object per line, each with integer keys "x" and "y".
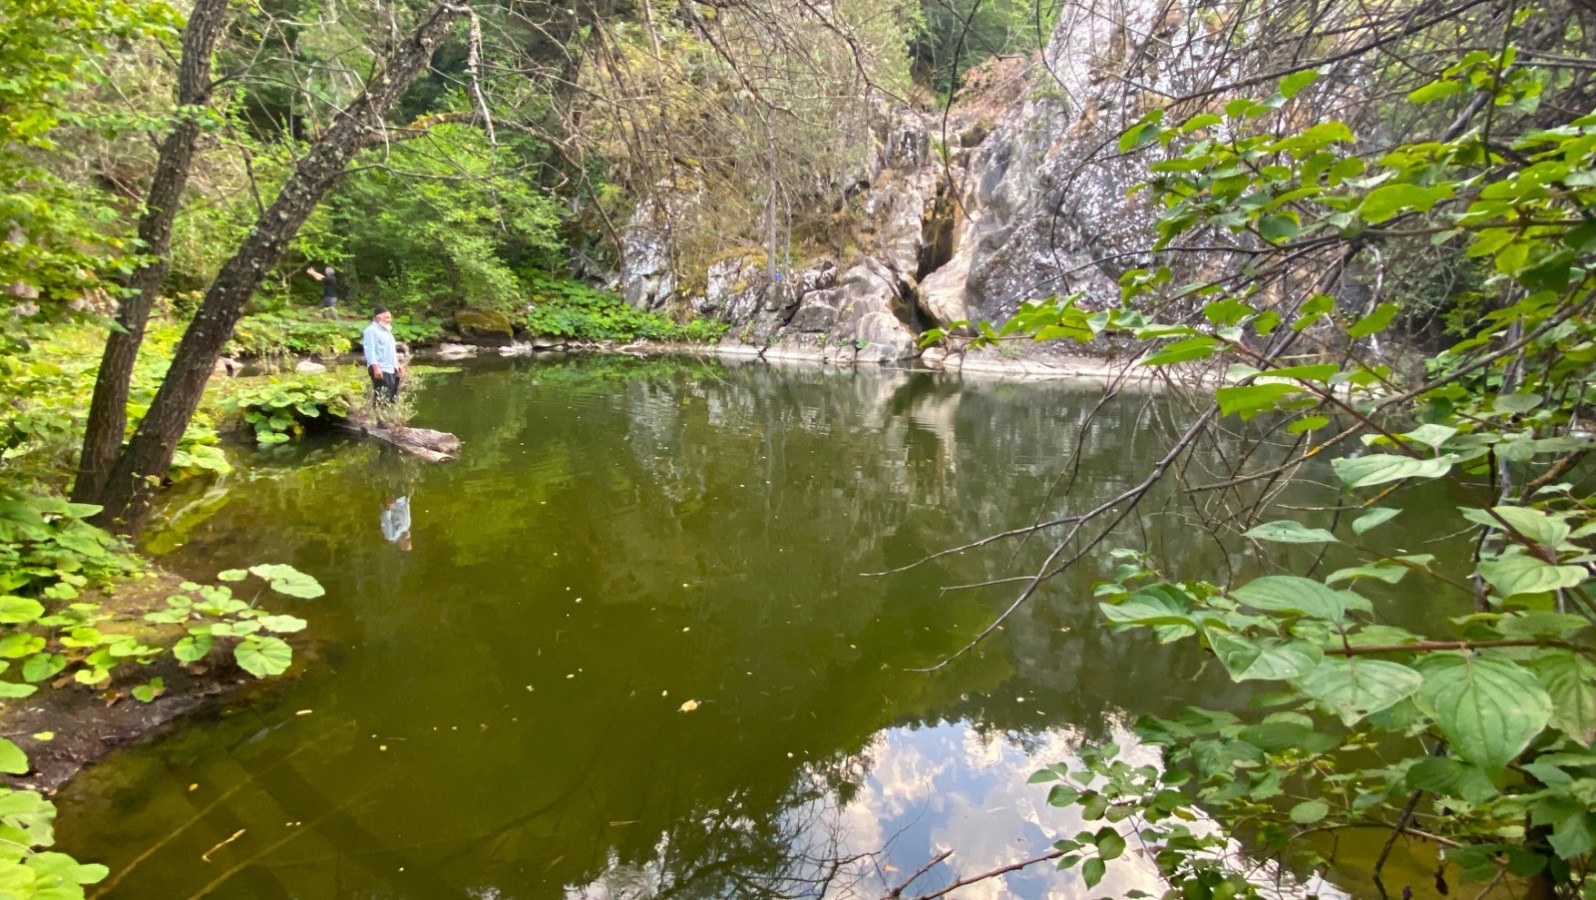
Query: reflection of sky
{"x": 953, "y": 788}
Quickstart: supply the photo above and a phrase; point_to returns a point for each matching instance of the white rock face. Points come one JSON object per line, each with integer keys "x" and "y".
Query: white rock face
{"x": 309, "y": 367}
{"x": 1017, "y": 196}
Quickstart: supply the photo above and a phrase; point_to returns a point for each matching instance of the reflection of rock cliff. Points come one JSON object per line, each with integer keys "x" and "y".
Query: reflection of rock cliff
{"x": 963, "y": 216}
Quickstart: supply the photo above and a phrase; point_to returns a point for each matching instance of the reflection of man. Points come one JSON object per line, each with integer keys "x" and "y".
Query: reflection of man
{"x": 395, "y": 521}
{"x": 382, "y": 358}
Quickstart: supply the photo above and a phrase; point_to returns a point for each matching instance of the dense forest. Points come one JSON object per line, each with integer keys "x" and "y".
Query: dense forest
{"x": 1360, "y": 233}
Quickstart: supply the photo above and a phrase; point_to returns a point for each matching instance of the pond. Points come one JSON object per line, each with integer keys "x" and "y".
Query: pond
{"x": 631, "y": 645}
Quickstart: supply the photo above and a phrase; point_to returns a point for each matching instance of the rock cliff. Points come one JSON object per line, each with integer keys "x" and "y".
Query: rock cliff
{"x": 1014, "y": 194}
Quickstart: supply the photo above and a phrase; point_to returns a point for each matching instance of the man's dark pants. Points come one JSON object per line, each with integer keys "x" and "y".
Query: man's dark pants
{"x": 386, "y": 388}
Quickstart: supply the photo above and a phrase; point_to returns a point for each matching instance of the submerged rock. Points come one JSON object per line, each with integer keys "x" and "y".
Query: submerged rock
{"x": 455, "y": 351}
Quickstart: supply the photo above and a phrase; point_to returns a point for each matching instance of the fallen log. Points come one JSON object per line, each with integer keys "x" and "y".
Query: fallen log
{"x": 433, "y": 446}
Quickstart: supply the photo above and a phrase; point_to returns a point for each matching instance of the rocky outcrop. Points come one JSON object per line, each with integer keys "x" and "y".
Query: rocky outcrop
{"x": 484, "y": 325}
{"x": 1008, "y": 198}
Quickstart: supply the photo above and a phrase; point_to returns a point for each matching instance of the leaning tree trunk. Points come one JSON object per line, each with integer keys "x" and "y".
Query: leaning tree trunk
{"x": 144, "y": 462}
{"x": 108, "y": 410}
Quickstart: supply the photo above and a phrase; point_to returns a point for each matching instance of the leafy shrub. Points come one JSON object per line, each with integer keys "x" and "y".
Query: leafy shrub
{"x": 569, "y": 309}
{"x": 46, "y": 549}
{"x": 292, "y": 333}
{"x": 28, "y": 868}
{"x": 280, "y": 409}
{"x": 417, "y": 329}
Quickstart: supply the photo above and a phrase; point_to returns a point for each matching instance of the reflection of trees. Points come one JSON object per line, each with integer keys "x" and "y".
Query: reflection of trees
{"x": 714, "y": 522}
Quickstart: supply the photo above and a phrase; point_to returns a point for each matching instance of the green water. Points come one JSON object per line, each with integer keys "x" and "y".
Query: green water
{"x": 495, "y": 705}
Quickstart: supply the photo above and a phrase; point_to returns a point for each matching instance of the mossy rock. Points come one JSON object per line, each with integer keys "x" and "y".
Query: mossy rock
{"x": 483, "y": 323}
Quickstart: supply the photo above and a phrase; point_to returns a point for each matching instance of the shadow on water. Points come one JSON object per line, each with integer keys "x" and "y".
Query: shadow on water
{"x": 624, "y": 647}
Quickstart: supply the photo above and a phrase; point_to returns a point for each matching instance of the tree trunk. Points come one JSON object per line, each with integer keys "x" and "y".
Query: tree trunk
{"x": 141, "y": 466}
{"x": 108, "y": 410}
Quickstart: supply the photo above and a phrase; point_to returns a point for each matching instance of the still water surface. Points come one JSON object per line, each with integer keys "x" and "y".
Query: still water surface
{"x": 627, "y": 647}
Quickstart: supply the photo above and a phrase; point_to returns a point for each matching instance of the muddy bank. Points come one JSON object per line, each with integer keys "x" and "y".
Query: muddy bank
{"x": 66, "y": 726}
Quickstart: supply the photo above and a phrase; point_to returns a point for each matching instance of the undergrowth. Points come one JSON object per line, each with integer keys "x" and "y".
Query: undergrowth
{"x": 569, "y": 309}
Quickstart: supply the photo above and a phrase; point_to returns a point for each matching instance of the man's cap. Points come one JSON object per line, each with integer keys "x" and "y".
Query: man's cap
{"x": 378, "y": 311}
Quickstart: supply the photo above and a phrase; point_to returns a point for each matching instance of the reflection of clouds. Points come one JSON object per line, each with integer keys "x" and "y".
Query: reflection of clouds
{"x": 930, "y": 790}
{"x": 623, "y": 881}
{"x": 954, "y": 788}
{"x": 905, "y": 777}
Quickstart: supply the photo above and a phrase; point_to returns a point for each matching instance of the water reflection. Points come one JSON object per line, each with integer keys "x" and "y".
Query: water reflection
{"x": 504, "y": 709}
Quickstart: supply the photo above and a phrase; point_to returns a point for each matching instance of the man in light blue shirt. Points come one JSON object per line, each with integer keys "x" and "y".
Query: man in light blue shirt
{"x": 382, "y": 359}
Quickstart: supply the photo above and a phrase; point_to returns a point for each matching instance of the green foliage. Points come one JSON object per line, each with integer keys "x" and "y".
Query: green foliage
{"x": 57, "y": 243}
{"x": 49, "y": 381}
{"x": 569, "y": 309}
{"x": 951, "y": 38}
{"x": 28, "y": 869}
{"x": 46, "y": 549}
{"x": 80, "y": 638}
{"x": 448, "y": 220}
{"x": 292, "y": 333}
{"x": 1149, "y": 803}
{"x": 1493, "y": 713}
{"x": 281, "y": 409}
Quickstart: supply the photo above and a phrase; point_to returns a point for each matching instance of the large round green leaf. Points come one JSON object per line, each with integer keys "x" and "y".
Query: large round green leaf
{"x": 288, "y": 580}
{"x": 1354, "y": 688}
{"x": 1488, "y": 708}
{"x": 263, "y": 656}
{"x": 1290, "y": 594}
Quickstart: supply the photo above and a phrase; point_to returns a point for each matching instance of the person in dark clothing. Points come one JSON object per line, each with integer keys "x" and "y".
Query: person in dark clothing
{"x": 329, "y": 285}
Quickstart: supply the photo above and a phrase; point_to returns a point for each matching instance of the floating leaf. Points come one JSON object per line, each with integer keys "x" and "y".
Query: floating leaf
{"x": 283, "y": 624}
{"x": 689, "y": 706}
{"x": 232, "y": 575}
{"x": 1488, "y": 708}
{"x": 288, "y": 580}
